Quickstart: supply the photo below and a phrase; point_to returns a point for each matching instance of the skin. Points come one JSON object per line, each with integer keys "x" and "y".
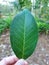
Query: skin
{"x": 13, "y": 60}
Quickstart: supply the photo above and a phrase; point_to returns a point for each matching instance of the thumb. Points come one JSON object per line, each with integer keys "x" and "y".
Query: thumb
{"x": 21, "y": 62}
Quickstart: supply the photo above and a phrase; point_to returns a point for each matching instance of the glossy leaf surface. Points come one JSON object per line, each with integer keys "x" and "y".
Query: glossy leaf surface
{"x": 23, "y": 34}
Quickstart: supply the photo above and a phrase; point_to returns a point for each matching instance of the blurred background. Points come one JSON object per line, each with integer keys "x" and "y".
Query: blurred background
{"x": 40, "y": 11}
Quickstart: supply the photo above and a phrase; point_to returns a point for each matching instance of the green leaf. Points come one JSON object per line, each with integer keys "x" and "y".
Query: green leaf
{"x": 23, "y": 34}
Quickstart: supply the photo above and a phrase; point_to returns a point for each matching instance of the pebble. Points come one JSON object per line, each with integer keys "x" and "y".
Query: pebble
{"x": 47, "y": 54}
{"x": 47, "y": 62}
{"x": 2, "y": 50}
{"x": 44, "y": 60}
{"x": 4, "y": 46}
{"x": 43, "y": 49}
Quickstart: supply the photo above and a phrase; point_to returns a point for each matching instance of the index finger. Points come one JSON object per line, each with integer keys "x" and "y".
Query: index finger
{"x": 10, "y": 60}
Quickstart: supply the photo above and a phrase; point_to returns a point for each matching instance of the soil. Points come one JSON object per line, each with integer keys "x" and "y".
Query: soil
{"x": 40, "y": 55}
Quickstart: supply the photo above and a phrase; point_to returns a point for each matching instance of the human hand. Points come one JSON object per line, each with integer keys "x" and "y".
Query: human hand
{"x": 13, "y": 60}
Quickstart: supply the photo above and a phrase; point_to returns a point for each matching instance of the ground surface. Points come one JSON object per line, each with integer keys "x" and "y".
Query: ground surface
{"x": 39, "y": 57}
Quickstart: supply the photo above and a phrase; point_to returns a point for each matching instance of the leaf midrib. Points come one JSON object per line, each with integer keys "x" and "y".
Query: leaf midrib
{"x": 24, "y": 38}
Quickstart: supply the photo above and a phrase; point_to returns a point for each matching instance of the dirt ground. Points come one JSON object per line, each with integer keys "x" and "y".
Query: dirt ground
{"x": 39, "y": 57}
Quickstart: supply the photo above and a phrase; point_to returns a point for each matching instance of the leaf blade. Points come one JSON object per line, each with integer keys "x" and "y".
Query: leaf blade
{"x": 22, "y": 29}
